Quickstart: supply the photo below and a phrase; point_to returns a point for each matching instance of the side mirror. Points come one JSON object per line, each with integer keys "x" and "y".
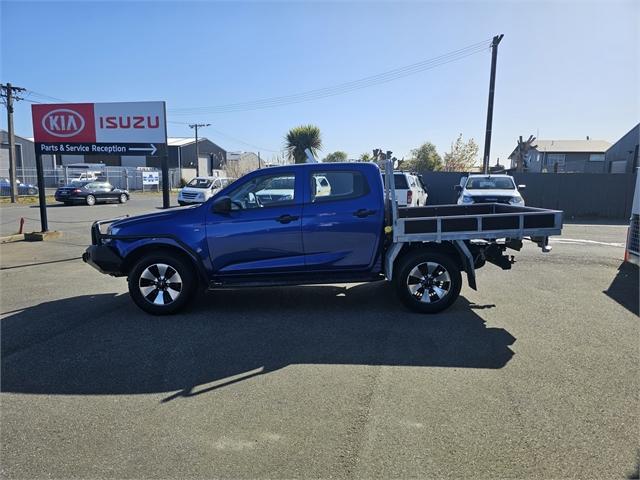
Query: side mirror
{"x": 521, "y": 187}
{"x": 457, "y": 188}
{"x": 222, "y": 205}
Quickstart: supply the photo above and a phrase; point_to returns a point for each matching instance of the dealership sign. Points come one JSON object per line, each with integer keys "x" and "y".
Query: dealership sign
{"x": 132, "y": 128}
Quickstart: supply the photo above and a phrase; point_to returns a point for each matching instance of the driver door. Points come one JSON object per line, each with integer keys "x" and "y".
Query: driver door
{"x": 263, "y": 231}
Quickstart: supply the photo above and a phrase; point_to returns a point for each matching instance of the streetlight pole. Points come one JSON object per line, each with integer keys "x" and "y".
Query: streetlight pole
{"x": 195, "y": 126}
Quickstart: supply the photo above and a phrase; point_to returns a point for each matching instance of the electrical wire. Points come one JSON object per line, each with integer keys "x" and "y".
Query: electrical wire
{"x": 235, "y": 139}
{"x": 342, "y": 88}
{"x": 44, "y": 97}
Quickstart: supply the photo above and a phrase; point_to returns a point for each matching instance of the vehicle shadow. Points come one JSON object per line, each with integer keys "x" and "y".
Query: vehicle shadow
{"x": 59, "y": 348}
{"x": 625, "y": 287}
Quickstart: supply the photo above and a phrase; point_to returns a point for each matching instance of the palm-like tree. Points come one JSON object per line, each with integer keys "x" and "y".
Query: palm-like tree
{"x": 298, "y": 139}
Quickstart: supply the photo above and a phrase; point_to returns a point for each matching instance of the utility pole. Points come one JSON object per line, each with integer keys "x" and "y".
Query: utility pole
{"x": 7, "y": 92}
{"x": 492, "y": 87}
{"x": 259, "y": 166}
{"x": 195, "y": 126}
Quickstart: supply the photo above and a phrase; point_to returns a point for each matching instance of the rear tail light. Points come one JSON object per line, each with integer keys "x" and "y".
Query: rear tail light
{"x": 409, "y": 197}
{"x": 77, "y": 190}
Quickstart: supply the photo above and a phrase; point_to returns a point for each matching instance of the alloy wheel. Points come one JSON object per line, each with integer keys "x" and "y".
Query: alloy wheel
{"x": 429, "y": 282}
{"x": 160, "y": 284}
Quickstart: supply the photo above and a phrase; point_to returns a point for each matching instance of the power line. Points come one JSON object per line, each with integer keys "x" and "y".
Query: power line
{"x": 235, "y": 139}
{"x": 342, "y": 88}
{"x": 44, "y": 96}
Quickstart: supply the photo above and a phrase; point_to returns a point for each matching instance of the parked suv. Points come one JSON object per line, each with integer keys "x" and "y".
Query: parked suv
{"x": 410, "y": 191}
{"x": 201, "y": 189}
{"x": 489, "y": 189}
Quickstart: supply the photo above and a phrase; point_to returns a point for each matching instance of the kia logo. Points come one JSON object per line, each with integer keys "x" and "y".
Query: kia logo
{"x": 63, "y": 122}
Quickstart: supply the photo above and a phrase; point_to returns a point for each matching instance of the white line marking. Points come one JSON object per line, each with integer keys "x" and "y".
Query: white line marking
{"x": 573, "y": 241}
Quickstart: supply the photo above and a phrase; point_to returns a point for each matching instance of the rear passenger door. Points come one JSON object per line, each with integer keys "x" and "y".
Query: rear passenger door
{"x": 341, "y": 223}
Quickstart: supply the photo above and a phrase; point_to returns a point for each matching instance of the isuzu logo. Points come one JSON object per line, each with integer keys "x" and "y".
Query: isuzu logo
{"x": 63, "y": 123}
{"x": 130, "y": 121}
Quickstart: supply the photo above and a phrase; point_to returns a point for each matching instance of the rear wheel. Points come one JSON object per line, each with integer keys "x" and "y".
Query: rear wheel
{"x": 161, "y": 284}
{"x": 428, "y": 282}
{"x": 91, "y": 200}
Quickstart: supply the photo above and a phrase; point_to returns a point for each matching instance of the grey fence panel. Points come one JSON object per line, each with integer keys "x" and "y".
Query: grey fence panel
{"x": 579, "y": 195}
{"x": 440, "y": 187}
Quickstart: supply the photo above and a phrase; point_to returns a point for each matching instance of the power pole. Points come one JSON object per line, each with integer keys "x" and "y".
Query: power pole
{"x": 7, "y": 93}
{"x": 492, "y": 87}
{"x": 259, "y": 166}
{"x": 195, "y": 126}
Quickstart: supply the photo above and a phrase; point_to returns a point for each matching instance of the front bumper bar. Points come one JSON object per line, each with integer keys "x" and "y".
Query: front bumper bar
{"x": 104, "y": 259}
{"x": 100, "y": 256}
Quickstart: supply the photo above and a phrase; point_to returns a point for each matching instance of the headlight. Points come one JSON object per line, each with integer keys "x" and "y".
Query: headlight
{"x": 467, "y": 199}
{"x": 516, "y": 200}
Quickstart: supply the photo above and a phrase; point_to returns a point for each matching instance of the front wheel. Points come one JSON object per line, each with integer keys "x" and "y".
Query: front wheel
{"x": 123, "y": 198}
{"x": 161, "y": 284}
{"x": 91, "y": 200}
{"x": 428, "y": 282}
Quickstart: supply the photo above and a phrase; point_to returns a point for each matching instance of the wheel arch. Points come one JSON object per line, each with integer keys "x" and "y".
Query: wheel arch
{"x": 167, "y": 248}
{"x": 448, "y": 248}
{"x": 444, "y": 247}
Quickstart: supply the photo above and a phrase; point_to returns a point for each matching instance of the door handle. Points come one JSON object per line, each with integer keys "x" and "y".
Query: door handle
{"x": 286, "y": 218}
{"x": 363, "y": 212}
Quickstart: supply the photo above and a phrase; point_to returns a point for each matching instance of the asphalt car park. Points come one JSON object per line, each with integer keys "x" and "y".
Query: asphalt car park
{"x": 535, "y": 375}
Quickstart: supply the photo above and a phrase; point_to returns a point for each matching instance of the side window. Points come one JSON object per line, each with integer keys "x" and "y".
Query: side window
{"x": 264, "y": 191}
{"x": 92, "y": 186}
{"x": 337, "y": 185}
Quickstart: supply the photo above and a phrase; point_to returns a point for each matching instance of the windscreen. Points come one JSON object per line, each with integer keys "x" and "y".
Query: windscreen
{"x": 490, "y": 183}
{"x": 200, "y": 183}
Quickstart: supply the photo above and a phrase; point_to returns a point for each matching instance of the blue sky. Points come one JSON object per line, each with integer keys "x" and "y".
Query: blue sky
{"x": 565, "y": 69}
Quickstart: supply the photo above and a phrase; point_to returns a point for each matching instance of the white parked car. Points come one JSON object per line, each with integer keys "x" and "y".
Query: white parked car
{"x": 410, "y": 191}
{"x": 489, "y": 189}
{"x": 323, "y": 187}
{"x": 201, "y": 189}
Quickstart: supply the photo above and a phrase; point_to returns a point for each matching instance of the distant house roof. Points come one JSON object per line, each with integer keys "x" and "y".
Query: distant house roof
{"x": 181, "y": 141}
{"x": 568, "y": 146}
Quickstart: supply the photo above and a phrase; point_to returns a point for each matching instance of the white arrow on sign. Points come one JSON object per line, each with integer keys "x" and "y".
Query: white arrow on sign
{"x": 151, "y": 149}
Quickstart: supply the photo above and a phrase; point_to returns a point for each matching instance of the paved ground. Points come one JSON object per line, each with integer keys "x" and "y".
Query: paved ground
{"x": 533, "y": 376}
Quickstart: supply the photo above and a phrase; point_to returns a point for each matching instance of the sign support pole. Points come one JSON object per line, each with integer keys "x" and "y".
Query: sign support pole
{"x": 166, "y": 201}
{"x": 44, "y": 225}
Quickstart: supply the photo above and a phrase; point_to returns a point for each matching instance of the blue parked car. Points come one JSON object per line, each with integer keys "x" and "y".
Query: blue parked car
{"x": 276, "y": 227}
{"x": 23, "y": 188}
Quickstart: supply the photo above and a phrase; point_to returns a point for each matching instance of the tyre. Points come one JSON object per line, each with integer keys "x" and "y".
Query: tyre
{"x": 428, "y": 282}
{"x": 91, "y": 200}
{"x": 123, "y": 198}
{"x": 162, "y": 284}
{"x": 182, "y": 204}
{"x": 32, "y": 191}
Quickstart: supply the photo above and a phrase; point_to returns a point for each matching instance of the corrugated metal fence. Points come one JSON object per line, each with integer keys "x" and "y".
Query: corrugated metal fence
{"x": 579, "y": 195}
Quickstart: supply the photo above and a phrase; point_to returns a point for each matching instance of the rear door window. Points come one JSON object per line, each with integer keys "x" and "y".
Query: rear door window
{"x": 337, "y": 185}
{"x": 400, "y": 182}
